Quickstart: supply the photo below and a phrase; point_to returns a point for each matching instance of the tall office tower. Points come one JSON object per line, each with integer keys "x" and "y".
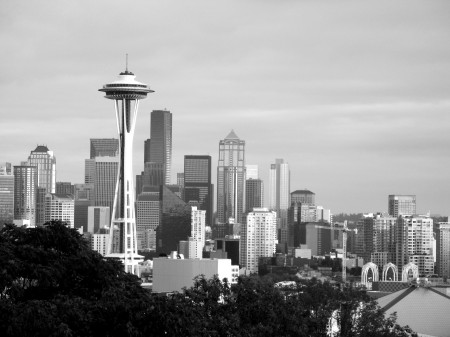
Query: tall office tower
{"x": 375, "y": 238}
{"x": 231, "y": 179}
{"x": 175, "y": 223}
{"x": 414, "y": 243}
{"x": 254, "y": 194}
{"x": 25, "y": 185}
{"x": 401, "y": 205}
{"x": 304, "y": 197}
{"x": 45, "y": 162}
{"x": 126, "y": 92}
{"x": 443, "y": 250}
{"x": 279, "y": 196}
{"x": 197, "y": 184}
{"x": 161, "y": 141}
{"x": 147, "y": 150}
{"x": 104, "y": 147}
{"x": 6, "y": 194}
{"x": 180, "y": 179}
{"x": 98, "y": 218}
{"x": 317, "y": 239}
{"x": 252, "y": 171}
{"x": 59, "y": 207}
{"x": 197, "y": 241}
{"x": 258, "y": 237}
{"x": 148, "y": 217}
{"x": 65, "y": 188}
{"x": 105, "y": 181}
{"x": 84, "y": 197}
{"x": 41, "y": 192}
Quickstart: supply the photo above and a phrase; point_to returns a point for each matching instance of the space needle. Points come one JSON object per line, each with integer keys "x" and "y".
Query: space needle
{"x": 126, "y": 92}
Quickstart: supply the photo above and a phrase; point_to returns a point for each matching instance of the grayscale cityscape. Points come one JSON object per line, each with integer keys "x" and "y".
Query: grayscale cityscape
{"x": 253, "y": 168}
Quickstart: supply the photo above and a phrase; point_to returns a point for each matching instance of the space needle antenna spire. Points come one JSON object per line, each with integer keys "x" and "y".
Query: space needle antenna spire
{"x": 126, "y": 93}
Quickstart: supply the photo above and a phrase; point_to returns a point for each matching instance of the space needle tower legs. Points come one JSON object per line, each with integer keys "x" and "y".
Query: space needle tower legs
{"x": 126, "y": 92}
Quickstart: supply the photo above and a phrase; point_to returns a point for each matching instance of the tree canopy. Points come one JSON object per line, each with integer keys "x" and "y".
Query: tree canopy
{"x": 53, "y": 284}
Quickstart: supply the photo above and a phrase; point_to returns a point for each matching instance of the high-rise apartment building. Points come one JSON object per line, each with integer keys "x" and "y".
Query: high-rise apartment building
{"x": 197, "y": 233}
{"x": 45, "y": 162}
{"x": 25, "y": 185}
{"x": 104, "y": 147}
{"x": 401, "y": 205}
{"x": 198, "y": 189}
{"x": 231, "y": 179}
{"x": 161, "y": 141}
{"x": 254, "y": 194}
{"x": 375, "y": 238}
{"x": 279, "y": 196}
{"x": 59, "y": 207}
{"x": 258, "y": 237}
{"x": 414, "y": 243}
{"x": 304, "y": 197}
{"x": 6, "y": 194}
{"x": 443, "y": 250}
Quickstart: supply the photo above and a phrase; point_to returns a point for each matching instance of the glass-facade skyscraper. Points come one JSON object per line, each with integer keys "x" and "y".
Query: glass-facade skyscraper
{"x": 161, "y": 141}
{"x": 45, "y": 162}
{"x": 197, "y": 184}
{"x": 6, "y": 194}
{"x": 231, "y": 174}
{"x": 25, "y": 185}
{"x": 279, "y": 196}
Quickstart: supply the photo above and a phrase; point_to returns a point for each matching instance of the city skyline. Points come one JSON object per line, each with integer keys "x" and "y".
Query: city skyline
{"x": 353, "y": 96}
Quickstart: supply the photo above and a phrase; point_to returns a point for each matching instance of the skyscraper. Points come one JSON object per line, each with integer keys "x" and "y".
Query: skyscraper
{"x": 197, "y": 184}
{"x": 231, "y": 179}
{"x": 443, "y": 250}
{"x": 105, "y": 180}
{"x": 401, "y": 205}
{"x": 254, "y": 194}
{"x": 104, "y": 147}
{"x": 258, "y": 237}
{"x": 161, "y": 141}
{"x": 45, "y": 162}
{"x": 25, "y": 185}
{"x": 279, "y": 196}
{"x": 126, "y": 92}
{"x": 303, "y": 197}
{"x": 6, "y": 194}
{"x": 59, "y": 207}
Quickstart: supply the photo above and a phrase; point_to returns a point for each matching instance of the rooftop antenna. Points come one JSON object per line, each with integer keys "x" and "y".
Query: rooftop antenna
{"x": 126, "y": 62}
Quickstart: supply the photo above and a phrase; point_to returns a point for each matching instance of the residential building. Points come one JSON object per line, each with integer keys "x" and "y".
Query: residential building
{"x": 59, "y": 207}
{"x": 197, "y": 231}
{"x": 443, "y": 250}
{"x": 6, "y": 194}
{"x": 258, "y": 237}
{"x": 231, "y": 179}
{"x": 401, "y": 205}
{"x": 25, "y": 185}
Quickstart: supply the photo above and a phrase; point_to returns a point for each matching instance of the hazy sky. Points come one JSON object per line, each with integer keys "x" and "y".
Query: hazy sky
{"x": 354, "y": 95}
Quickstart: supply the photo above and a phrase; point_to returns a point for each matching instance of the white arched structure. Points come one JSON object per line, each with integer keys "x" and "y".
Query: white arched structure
{"x": 365, "y": 270}
{"x": 406, "y": 268}
{"x": 386, "y": 268}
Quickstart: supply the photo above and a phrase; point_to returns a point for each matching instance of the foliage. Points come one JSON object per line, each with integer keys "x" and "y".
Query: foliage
{"x": 54, "y": 285}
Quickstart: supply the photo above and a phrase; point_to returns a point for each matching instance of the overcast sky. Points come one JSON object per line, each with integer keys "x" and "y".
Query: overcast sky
{"x": 354, "y": 95}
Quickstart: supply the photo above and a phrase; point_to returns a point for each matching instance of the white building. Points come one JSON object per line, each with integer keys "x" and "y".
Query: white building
{"x": 171, "y": 275}
{"x": 59, "y": 207}
{"x": 98, "y": 217}
{"x": 197, "y": 231}
{"x": 99, "y": 243}
{"x": 258, "y": 237}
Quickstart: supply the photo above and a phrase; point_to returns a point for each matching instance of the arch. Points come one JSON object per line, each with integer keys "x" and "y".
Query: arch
{"x": 386, "y": 268}
{"x": 406, "y": 268}
{"x": 365, "y": 270}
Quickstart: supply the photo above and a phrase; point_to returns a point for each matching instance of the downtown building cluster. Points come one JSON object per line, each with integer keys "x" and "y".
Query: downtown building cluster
{"x": 181, "y": 217}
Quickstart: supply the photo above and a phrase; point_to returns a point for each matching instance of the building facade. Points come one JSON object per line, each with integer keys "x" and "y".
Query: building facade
{"x": 258, "y": 238}
{"x": 304, "y": 197}
{"x": 401, "y": 205}
{"x": 443, "y": 250}
{"x": 197, "y": 184}
{"x": 231, "y": 175}
{"x": 6, "y": 194}
{"x": 104, "y": 147}
{"x": 254, "y": 194}
{"x": 98, "y": 218}
{"x": 161, "y": 141}
{"x": 279, "y": 196}
{"x": 59, "y": 207}
{"x": 25, "y": 186}
{"x": 45, "y": 162}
